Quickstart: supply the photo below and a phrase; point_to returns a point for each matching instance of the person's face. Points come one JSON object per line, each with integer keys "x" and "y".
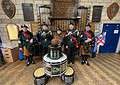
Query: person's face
{"x": 39, "y": 29}
{"x": 71, "y": 27}
{"x": 87, "y": 28}
{"x": 24, "y": 29}
{"x": 44, "y": 27}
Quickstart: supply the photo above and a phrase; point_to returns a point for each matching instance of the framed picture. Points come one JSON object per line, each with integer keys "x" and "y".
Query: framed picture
{"x": 97, "y": 11}
{"x": 28, "y": 11}
{"x": 12, "y": 30}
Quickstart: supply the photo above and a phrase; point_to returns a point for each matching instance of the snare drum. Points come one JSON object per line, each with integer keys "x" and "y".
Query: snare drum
{"x": 40, "y": 77}
{"x": 55, "y": 67}
{"x": 68, "y": 76}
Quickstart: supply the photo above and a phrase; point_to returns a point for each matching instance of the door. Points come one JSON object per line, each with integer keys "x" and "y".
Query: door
{"x": 111, "y": 39}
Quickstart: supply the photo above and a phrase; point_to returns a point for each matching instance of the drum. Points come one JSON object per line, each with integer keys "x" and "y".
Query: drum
{"x": 55, "y": 67}
{"x": 54, "y": 52}
{"x": 68, "y": 76}
{"x": 40, "y": 77}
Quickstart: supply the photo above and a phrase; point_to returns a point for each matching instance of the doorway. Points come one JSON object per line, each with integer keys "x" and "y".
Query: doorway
{"x": 111, "y": 39}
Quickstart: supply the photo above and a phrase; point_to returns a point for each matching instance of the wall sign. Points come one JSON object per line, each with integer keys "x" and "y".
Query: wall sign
{"x": 28, "y": 11}
{"x": 12, "y": 30}
{"x": 112, "y": 10}
{"x": 97, "y": 11}
{"x": 9, "y": 8}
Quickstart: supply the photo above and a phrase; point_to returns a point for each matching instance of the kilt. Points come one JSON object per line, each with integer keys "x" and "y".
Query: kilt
{"x": 26, "y": 52}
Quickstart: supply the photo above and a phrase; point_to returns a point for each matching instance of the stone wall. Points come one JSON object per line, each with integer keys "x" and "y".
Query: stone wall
{"x": 104, "y": 18}
{"x": 17, "y": 19}
{"x": 105, "y": 4}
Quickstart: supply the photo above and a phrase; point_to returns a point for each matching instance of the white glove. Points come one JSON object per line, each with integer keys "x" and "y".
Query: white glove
{"x": 19, "y": 42}
{"x": 88, "y": 40}
{"x": 31, "y": 41}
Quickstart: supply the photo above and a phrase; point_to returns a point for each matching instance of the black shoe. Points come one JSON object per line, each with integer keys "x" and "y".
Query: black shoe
{"x": 82, "y": 62}
{"x": 87, "y": 63}
{"x": 27, "y": 63}
{"x": 33, "y": 62}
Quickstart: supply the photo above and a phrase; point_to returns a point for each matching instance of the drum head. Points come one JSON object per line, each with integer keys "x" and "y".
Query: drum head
{"x": 39, "y": 72}
{"x": 69, "y": 71}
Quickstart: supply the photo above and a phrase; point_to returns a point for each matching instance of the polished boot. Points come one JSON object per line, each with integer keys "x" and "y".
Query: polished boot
{"x": 27, "y": 61}
{"x": 31, "y": 59}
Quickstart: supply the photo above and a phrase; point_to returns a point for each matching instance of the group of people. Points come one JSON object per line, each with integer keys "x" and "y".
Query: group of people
{"x": 73, "y": 41}
{"x": 79, "y": 43}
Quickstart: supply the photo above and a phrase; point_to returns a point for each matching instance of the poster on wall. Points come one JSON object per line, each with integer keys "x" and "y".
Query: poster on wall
{"x": 12, "y": 30}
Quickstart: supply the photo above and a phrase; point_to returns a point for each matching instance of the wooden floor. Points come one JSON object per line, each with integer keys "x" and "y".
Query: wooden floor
{"x": 103, "y": 70}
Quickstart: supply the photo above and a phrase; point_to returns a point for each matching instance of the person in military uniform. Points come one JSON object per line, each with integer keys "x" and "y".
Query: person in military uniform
{"x": 86, "y": 43}
{"x": 44, "y": 37}
{"x": 70, "y": 43}
{"x": 26, "y": 44}
{"x": 21, "y": 55}
{"x": 1, "y": 55}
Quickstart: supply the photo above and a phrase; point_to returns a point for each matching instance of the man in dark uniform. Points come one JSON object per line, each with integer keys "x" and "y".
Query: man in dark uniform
{"x": 25, "y": 43}
{"x": 1, "y": 55}
{"x": 70, "y": 42}
{"x": 44, "y": 37}
{"x": 86, "y": 42}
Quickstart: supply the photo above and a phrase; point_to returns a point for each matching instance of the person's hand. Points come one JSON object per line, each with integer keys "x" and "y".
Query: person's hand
{"x": 88, "y": 40}
{"x": 20, "y": 49}
{"x": 67, "y": 46}
{"x": 45, "y": 40}
{"x": 77, "y": 46}
{"x": 19, "y": 42}
{"x": 31, "y": 41}
{"x": 27, "y": 40}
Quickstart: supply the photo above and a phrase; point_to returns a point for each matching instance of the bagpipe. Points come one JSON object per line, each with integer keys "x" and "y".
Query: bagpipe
{"x": 95, "y": 41}
{"x": 72, "y": 39}
{"x": 44, "y": 34}
{"x": 94, "y": 37}
{"x": 27, "y": 40}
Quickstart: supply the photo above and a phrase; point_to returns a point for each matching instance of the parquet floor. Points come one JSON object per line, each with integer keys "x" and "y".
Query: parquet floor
{"x": 103, "y": 70}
